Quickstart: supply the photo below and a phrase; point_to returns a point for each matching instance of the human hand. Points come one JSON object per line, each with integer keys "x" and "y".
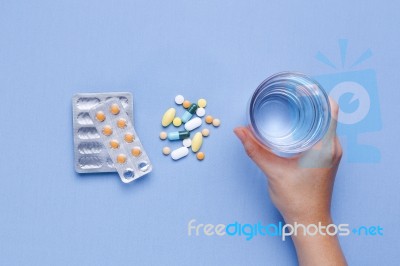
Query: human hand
{"x": 301, "y": 187}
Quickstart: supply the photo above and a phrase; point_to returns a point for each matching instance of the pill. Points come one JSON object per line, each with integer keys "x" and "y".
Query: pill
{"x": 193, "y": 123}
{"x": 205, "y": 132}
{"x": 216, "y": 122}
{"x": 121, "y": 123}
{"x": 202, "y": 103}
{"x": 114, "y": 144}
{"x": 121, "y": 158}
{"x": 200, "y": 156}
{"x": 114, "y": 109}
{"x": 163, "y": 135}
{"x": 197, "y": 141}
{"x": 100, "y": 116}
{"x": 177, "y": 121}
{"x": 187, "y": 142}
{"x": 107, "y": 130}
{"x": 178, "y": 135}
{"x": 129, "y": 137}
{"x": 200, "y": 112}
{"x": 179, "y": 99}
{"x": 186, "y": 104}
{"x": 166, "y": 150}
{"x": 209, "y": 119}
{"x": 189, "y": 113}
{"x": 168, "y": 117}
{"x": 136, "y": 151}
{"x": 179, "y": 153}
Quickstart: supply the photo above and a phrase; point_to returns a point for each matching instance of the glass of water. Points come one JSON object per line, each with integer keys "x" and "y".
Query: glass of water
{"x": 288, "y": 113}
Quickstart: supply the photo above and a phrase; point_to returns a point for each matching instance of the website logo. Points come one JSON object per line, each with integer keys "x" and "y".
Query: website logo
{"x": 249, "y": 231}
{"x": 356, "y": 92}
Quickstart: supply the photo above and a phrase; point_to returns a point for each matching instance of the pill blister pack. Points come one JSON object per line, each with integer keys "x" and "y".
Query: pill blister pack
{"x": 119, "y": 138}
{"x": 90, "y": 154}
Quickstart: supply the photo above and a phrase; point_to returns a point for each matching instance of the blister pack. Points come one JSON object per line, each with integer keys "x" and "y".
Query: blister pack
{"x": 119, "y": 137}
{"x": 90, "y": 154}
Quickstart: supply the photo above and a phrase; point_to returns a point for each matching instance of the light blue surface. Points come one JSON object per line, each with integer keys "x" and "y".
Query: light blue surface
{"x": 220, "y": 50}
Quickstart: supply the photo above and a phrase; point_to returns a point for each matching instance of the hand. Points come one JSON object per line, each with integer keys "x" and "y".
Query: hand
{"x": 301, "y": 188}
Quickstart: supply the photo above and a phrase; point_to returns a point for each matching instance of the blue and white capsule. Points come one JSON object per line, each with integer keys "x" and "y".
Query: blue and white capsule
{"x": 178, "y": 135}
{"x": 189, "y": 113}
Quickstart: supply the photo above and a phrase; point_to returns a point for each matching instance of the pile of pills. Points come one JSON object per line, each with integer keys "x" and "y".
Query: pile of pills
{"x": 191, "y": 120}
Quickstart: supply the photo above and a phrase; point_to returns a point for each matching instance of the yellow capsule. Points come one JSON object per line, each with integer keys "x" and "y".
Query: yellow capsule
{"x": 100, "y": 116}
{"x": 205, "y": 132}
{"x": 177, "y": 121}
{"x": 216, "y": 122}
{"x": 114, "y": 109}
{"x": 186, "y": 104}
{"x": 121, "y": 158}
{"x": 209, "y": 119}
{"x": 114, "y": 144}
{"x": 129, "y": 137}
{"x": 200, "y": 156}
{"x": 197, "y": 141}
{"x": 202, "y": 103}
{"x": 136, "y": 151}
{"x": 168, "y": 117}
{"x": 121, "y": 123}
{"x": 107, "y": 130}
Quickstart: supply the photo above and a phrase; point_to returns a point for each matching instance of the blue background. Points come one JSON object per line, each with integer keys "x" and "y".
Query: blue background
{"x": 219, "y": 50}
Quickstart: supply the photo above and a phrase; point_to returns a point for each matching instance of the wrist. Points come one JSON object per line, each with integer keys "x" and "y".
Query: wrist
{"x": 323, "y": 217}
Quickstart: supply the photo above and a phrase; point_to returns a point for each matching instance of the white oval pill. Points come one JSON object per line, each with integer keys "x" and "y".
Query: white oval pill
{"x": 179, "y": 153}
{"x": 200, "y": 112}
{"x": 179, "y": 99}
{"x": 193, "y": 123}
{"x": 187, "y": 142}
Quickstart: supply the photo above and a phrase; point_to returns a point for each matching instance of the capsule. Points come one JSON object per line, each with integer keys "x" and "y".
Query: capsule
{"x": 179, "y": 153}
{"x": 189, "y": 113}
{"x": 178, "y": 135}
{"x": 193, "y": 124}
{"x": 197, "y": 141}
{"x": 168, "y": 117}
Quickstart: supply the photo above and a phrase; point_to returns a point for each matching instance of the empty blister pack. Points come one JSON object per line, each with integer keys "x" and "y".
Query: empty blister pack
{"x": 90, "y": 153}
{"x": 120, "y": 139}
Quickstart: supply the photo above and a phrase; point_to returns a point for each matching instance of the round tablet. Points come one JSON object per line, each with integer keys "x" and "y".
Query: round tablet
{"x": 200, "y": 156}
{"x": 187, "y": 142}
{"x": 107, "y": 130}
{"x": 179, "y": 99}
{"x": 163, "y": 135}
{"x": 129, "y": 137}
{"x": 177, "y": 121}
{"x": 209, "y": 119}
{"x": 200, "y": 112}
{"x": 216, "y": 122}
{"x": 114, "y": 144}
{"x": 121, "y": 123}
{"x": 121, "y": 158}
{"x": 202, "y": 103}
{"x": 186, "y": 104}
{"x": 166, "y": 150}
{"x": 100, "y": 116}
{"x": 114, "y": 109}
{"x": 136, "y": 151}
{"x": 205, "y": 132}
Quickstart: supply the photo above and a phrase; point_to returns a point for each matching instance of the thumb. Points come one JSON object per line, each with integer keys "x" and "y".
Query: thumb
{"x": 260, "y": 155}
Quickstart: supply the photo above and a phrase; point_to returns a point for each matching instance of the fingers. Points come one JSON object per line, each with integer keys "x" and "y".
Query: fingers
{"x": 324, "y": 153}
{"x": 331, "y": 134}
{"x": 261, "y": 156}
